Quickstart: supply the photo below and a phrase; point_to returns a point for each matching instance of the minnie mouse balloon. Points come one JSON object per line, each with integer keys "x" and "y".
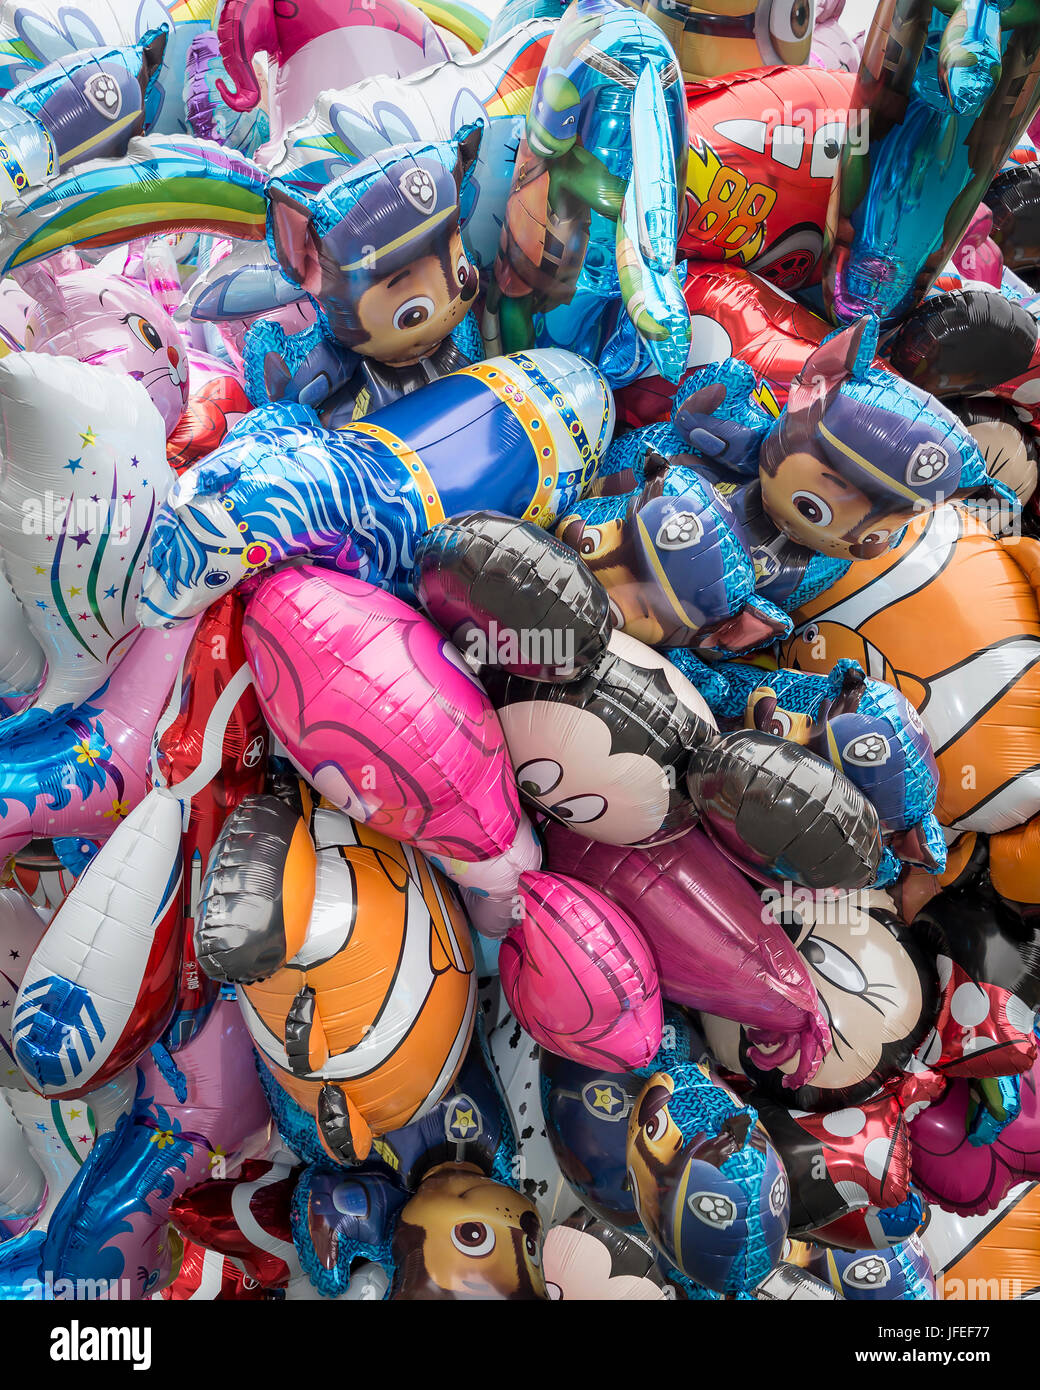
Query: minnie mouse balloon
{"x": 878, "y": 991}
{"x": 109, "y": 321}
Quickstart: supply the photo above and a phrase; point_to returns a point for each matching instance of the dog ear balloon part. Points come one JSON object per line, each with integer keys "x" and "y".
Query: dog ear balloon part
{"x": 381, "y": 713}
{"x": 489, "y": 580}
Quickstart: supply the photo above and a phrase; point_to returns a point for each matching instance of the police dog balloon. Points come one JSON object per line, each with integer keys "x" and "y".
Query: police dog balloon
{"x": 708, "y": 1185}
{"x": 464, "y": 1236}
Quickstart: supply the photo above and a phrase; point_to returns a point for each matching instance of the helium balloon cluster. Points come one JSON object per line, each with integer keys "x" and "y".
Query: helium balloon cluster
{"x": 520, "y": 659}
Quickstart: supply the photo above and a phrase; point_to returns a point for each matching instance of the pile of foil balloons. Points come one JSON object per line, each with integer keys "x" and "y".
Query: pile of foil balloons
{"x": 519, "y": 650}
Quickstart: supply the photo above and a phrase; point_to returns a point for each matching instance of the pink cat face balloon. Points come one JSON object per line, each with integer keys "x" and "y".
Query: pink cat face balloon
{"x": 111, "y": 322}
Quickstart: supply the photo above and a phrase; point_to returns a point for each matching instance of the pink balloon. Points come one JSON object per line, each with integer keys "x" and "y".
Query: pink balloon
{"x": 318, "y": 45}
{"x": 832, "y": 46}
{"x": 109, "y": 321}
{"x": 714, "y": 946}
{"x": 968, "y": 1179}
{"x": 978, "y": 257}
{"x": 579, "y": 977}
{"x": 381, "y": 714}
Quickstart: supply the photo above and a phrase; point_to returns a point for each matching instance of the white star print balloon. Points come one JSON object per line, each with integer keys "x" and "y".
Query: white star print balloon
{"x": 82, "y": 471}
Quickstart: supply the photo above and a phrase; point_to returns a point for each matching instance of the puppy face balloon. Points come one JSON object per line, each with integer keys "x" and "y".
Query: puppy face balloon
{"x": 710, "y": 1189}
{"x": 465, "y": 1236}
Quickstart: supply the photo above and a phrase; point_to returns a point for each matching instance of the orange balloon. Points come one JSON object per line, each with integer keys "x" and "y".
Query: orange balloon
{"x": 950, "y": 618}
{"x": 994, "y": 1258}
{"x": 388, "y": 964}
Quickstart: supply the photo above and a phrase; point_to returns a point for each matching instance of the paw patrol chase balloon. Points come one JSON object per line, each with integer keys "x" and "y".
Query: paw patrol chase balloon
{"x": 707, "y": 1183}
{"x": 464, "y": 1236}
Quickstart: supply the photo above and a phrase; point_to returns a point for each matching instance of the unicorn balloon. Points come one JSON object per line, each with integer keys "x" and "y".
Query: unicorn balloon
{"x": 79, "y": 770}
{"x": 317, "y": 45}
{"x": 533, "y": 426}
{"x": 83, "y": 475}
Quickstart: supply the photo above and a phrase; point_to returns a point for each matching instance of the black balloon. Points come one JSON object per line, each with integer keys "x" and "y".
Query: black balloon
{"x": 960, "y": 343}
{"x": 508, "y": 594}
{"x": 777, "y": 807}
{"x": 1014, "y": 200}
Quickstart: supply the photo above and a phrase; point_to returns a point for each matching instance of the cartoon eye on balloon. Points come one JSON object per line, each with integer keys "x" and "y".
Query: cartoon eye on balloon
{"x": 145, "y": 331}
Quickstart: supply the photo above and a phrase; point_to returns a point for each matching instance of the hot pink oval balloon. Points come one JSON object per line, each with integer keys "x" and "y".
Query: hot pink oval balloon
{"x": 579, "y": 977}
{"x": 968, "y": 1179}
{"x": 714, "y": 946}
{"x": 380, "y": 713}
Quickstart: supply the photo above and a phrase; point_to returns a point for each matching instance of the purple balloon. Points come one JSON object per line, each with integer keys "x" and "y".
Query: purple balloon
{"x": 974, "y": 1179}
{"x": 715, "y": 947}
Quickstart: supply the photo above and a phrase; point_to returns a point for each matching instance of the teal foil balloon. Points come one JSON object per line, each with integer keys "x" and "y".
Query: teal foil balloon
{"x": 587, "y": 255}
{"x": 946, "y": 93}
